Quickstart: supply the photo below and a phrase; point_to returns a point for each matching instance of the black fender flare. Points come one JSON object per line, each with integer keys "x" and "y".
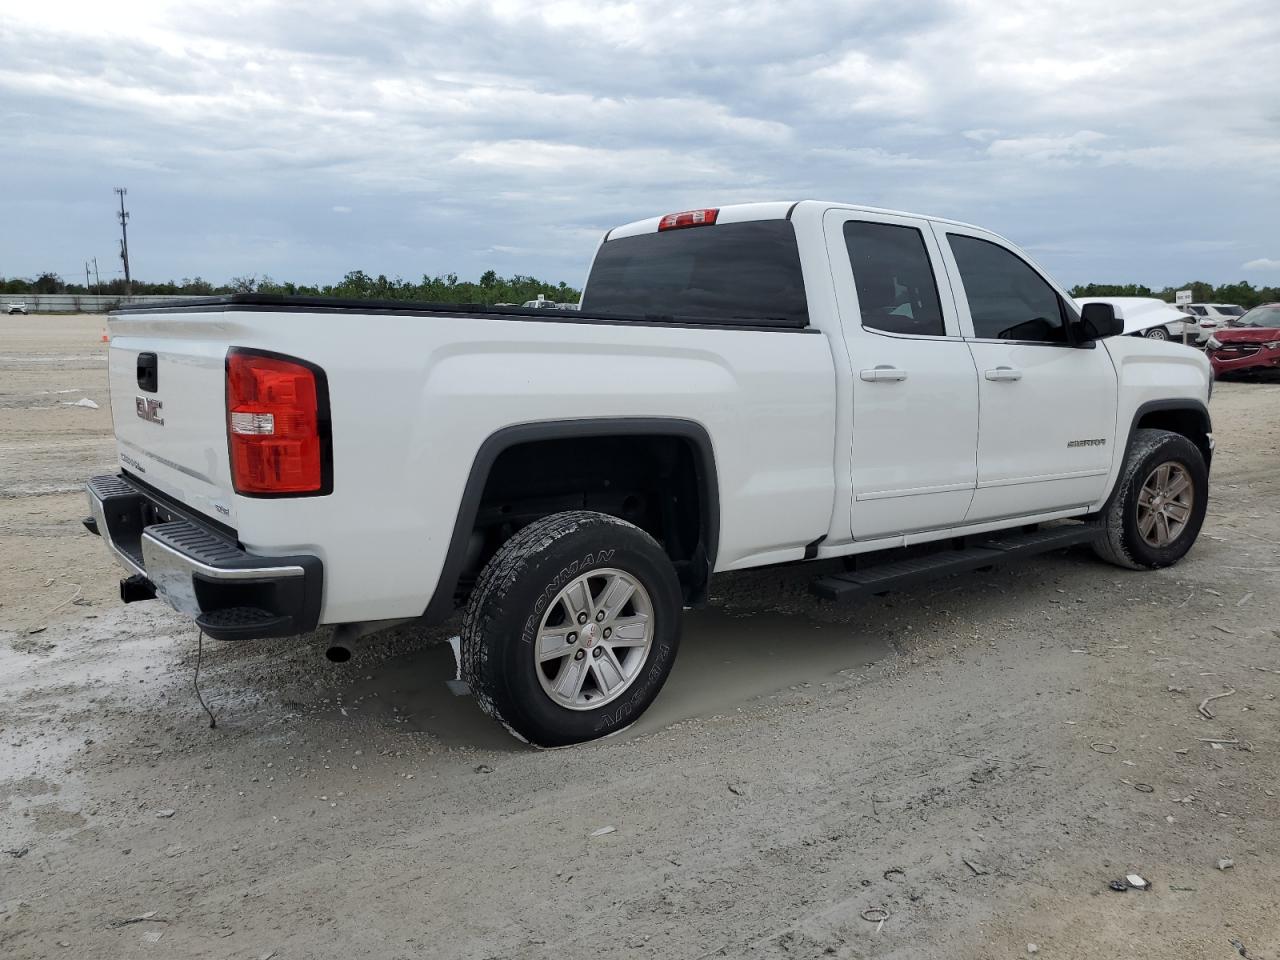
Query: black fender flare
{"x": 1187, "y": 403}
{"x": 441, "y": 605}
{"x": 1155, "y": 406}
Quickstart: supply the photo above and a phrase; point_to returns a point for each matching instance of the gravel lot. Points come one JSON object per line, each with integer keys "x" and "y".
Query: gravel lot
{"x": 944, "y": 755}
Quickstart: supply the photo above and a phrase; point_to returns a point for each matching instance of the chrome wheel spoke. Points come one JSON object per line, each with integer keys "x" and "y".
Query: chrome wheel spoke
{"x": 1178, "y": 512}
{"x": 554, "y": 643}
{"x": 615, "y": 595}
{"x": 568, "y": 682}
{"x": 1179, "y": 483}
{"x": 577, "y": 600}
{"x": 608, "y": 671}
{"x": 1146, "y": 523}
{"x": 1162, "y": 535}
{"x": 630, "y": 631}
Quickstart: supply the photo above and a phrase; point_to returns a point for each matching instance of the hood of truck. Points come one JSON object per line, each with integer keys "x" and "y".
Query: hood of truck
{"x": 171, "y": 433}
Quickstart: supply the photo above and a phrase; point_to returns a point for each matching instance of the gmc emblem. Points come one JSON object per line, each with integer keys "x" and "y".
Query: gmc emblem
{"x": 149, "y": 409}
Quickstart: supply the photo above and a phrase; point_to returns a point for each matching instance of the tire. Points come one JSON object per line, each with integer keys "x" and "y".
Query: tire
{"x": 1123, "y": 519}
{"x": 1157, "y": 333}
{"x": 520, "y": 609}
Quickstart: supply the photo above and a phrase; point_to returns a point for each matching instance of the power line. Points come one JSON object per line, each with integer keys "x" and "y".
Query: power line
{"x": 124, "y": 240}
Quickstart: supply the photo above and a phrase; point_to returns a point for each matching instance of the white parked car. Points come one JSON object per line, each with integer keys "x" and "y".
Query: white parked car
{"x": 1148, "y": 317}
{"x": 744, "y": 386}
{"x": 15, "y": 306}
{"x": 1208, "y": 317}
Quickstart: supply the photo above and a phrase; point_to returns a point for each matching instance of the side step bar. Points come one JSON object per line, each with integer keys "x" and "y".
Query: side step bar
{"x": 986, "y": 552}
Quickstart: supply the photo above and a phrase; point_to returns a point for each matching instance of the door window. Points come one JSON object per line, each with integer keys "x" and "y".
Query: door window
{"x": 896, "y": 289}
{"x": 1008, "y": 300}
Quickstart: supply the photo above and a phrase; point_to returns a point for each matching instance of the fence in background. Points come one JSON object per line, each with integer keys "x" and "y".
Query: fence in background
{"x": 75, "y": 303}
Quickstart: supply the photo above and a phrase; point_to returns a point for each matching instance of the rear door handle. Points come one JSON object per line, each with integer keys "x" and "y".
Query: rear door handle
{"x": 882, "y": 372}
{"x": 1003, "y": 373}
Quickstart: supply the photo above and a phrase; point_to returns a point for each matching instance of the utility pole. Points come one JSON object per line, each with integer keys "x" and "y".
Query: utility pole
{"x": 97, "y": 283}
{"x": 124, "y": 241}
{"x": 86, "y": 277}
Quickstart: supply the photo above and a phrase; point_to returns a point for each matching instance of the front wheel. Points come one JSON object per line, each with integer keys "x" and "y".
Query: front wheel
{"x": 572, "y": 628}
{"x": 1157, "y": 333}
{"x": 1159, "y": 504}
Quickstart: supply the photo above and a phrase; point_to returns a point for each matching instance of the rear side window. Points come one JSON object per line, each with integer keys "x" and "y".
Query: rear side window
{"x": 730, "y": 271}
{"x": 897, "y": 292}
{"x": 1007, "y": 298}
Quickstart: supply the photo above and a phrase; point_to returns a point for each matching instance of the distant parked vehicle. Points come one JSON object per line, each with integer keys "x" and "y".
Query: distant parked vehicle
{"x": 1251, "y": 342}
{"x": 542, "y": 303}
{"x": 1210, "y": 316}
{"x": 1147, "y": 317}
{"x": 15, "y": 306}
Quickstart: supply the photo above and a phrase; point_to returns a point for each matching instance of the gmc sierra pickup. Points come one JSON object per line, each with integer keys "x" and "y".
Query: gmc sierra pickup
{"x": 743, "y": 386}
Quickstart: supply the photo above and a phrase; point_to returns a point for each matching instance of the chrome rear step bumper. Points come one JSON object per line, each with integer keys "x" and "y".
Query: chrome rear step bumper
{"x": 199, "y": 569}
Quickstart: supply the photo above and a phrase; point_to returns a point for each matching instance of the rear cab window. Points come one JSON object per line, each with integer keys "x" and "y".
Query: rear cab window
{"x": 725, "y": 272}
{"x": 897, "y": 291}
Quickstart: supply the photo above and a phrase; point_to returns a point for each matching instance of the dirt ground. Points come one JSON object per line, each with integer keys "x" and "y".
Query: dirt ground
{"x": 976, "y": 758}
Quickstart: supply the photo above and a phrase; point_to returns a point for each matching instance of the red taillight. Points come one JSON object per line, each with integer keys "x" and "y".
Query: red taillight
{"x": 275, "y": 431}
{"x": 690, "y": 218}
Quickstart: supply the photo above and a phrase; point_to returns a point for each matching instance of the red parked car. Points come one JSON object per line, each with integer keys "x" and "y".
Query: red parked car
{"x": 1250, "y": 343}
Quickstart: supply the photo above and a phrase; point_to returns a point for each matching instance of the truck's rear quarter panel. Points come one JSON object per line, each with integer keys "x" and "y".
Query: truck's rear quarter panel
{"x": 413, "y": 397}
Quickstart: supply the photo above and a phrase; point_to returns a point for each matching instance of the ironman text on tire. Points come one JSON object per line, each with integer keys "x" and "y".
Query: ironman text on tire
{"x": 1159, "y": 504}
{"x": 572, "y": 628}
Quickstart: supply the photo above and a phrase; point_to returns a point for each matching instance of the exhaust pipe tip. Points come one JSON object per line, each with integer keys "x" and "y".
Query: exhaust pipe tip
{"x": 338, "y": 654}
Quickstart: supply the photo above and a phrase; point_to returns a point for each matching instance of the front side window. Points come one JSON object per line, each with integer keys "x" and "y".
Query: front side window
{"x": 891, "y": 270}
{"x": 1230, "y": 311}
{"x": 1007, "y": 298}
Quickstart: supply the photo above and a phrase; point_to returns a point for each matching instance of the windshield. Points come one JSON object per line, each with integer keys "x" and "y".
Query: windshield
{"x": 1267, "y": 315}
{"x": 729, "y": 271}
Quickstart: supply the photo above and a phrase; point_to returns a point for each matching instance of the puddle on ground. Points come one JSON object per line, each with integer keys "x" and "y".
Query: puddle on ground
{"x": 725, "y": 662}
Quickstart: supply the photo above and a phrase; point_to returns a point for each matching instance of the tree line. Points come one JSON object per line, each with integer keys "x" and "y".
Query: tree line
{"x": 356, "y": 285}
{"x": 1241, "y": 294}
{"x": 491, "y": 288}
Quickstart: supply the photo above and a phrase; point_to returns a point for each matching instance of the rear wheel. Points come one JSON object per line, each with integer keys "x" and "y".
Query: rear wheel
{"x": 572, "y": 628}
{"x": 1159, "y": 504}
{"x": 1157, "y": 333}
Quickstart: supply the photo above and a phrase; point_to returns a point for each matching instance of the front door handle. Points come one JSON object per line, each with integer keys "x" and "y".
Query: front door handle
{"x": 1003, "y": 374}
{"x": 882, "y": 372}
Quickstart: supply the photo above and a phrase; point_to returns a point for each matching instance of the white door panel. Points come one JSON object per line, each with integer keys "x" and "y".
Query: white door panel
{"x": 1046, "y": 427}
{"x": 915, "y": 399}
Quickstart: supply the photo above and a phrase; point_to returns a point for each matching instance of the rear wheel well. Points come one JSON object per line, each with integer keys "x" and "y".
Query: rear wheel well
{"x": 661, "y": 483}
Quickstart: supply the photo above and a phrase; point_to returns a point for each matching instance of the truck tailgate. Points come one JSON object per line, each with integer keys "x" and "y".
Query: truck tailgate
{"x": 168, "y": 401}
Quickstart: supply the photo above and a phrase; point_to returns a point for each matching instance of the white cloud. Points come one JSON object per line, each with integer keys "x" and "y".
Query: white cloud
{"x": 341, "y": 209}
{"x": 1262, "y": 263}
{"x": 478, "y": 133}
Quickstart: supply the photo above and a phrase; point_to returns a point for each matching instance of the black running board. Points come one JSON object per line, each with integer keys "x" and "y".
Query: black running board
{"x": 974, "y": 555}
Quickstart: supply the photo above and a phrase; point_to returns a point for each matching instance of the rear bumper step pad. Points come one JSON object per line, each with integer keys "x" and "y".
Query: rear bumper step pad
{"x": 198, "y": 570}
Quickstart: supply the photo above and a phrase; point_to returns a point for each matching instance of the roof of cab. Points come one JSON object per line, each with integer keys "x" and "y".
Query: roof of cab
{"x": 771, "y": 210}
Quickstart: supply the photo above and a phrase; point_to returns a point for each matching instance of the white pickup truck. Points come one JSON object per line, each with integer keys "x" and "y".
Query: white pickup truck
{"x": 743, "y": 386}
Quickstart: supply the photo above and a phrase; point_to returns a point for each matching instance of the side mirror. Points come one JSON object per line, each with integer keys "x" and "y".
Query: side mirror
{"x": 1098, "y": 320}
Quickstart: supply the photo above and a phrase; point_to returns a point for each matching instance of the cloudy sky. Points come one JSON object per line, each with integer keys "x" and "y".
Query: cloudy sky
{"x": 1118, "y": 140}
